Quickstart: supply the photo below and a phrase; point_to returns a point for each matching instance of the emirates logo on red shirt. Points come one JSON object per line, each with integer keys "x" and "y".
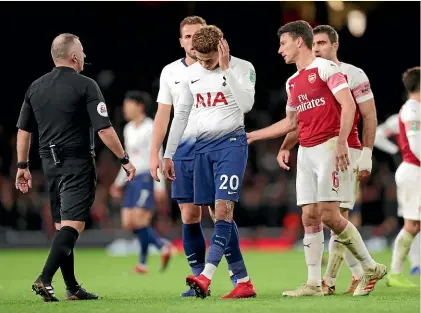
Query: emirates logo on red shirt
{"x": 312, "y": 77}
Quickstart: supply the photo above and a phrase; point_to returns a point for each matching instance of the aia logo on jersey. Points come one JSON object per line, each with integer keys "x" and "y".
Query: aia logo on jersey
{"x": 210, "y": 99}
{"x": 312, "y": 77}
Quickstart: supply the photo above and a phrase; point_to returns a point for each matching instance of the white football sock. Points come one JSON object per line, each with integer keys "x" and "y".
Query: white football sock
{"x": 414, "y": 252}
{"x": 209, "y": 271}
{"x": 354, "y": 265}
{"x": 336, "y": 256}
{"x": 352, "y": 240}
{"x": 400, "y": 250}
{"x": 313, "y": 251}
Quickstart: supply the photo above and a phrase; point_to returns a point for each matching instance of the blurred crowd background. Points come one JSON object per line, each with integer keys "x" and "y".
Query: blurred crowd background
{"x": 128, "y": 44}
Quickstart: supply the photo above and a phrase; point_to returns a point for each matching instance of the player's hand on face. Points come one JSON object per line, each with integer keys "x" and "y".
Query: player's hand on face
{"x": 342, "y": 157}
{"x": 168, "y": 169}
{"x": 154, "y": 166}
{"x": 23, "y": 180}
{"x": 283, "y": 159}
{"x": 130, "y": 171}
{"x": 224, "y": 54}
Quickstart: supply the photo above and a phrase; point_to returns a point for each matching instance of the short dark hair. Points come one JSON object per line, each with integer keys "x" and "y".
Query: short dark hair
{"x": 328, "y": 30}
{"x": 140, "y": 97}
{"x": 298, "y": 29}
{"x": 411, "y": 79}
{"x": 206, "y": 39}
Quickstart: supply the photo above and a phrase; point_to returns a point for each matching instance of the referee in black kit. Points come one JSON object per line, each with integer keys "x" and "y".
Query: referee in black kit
{"x": 66, "y": 108}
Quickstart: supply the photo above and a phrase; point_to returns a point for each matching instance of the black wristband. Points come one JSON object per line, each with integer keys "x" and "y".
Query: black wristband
{"x": 125, "y": 160}
{"x": 23, "y": 165}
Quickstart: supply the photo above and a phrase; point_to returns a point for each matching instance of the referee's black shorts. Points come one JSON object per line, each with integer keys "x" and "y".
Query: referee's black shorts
{"x": 71, "y": 188}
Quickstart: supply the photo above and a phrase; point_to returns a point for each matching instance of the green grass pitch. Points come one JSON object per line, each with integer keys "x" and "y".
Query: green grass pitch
{"x": 121, "y": 290}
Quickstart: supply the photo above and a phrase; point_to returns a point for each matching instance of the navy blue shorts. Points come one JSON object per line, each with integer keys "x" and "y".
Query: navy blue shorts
{"x": 218, "y": 174}
{"x": 182, "y": 187}
{"x": 139, "y": 192}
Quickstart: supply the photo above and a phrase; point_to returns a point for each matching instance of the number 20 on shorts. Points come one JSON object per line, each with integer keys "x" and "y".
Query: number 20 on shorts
{"x": 232, "y": 181}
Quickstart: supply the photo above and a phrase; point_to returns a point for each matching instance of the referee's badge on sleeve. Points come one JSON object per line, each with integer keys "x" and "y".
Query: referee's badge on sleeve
{"x": 102, "y": 109}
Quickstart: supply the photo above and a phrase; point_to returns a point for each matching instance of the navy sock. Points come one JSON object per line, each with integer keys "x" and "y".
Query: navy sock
{"x": 143, "y": 237}
{"x": 194, "y": 245}
{"x": 233, "y": 254}
{"x": 219, "y": 242}
{"x": 154, "y": 238}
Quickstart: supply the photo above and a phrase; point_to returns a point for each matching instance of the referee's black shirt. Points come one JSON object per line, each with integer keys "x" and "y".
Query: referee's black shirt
{"x": 67, "y": 108}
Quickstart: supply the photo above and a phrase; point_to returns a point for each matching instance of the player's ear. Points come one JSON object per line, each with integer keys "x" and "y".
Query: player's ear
{"x": 336, "y": 46}
{"x": 181, "y": 42}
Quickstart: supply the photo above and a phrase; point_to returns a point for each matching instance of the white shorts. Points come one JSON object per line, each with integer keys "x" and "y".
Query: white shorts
{"x": 354, "y": 154}
{"x": 317, "y": 178}
{"x": 408, "y": 189}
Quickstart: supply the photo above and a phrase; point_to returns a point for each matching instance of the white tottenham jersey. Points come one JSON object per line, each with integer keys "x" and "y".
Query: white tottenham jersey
{"x": 169, "y": 94}
{"x": 137, "y": 143}
{"x": 219, "y": 100}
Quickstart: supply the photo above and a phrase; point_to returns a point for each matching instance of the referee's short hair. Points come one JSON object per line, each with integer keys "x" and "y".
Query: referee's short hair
{"x": 140, "y": 97}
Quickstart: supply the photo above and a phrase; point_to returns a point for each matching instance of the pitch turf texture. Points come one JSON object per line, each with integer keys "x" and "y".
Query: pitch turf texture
{"x": 121, "y": 290}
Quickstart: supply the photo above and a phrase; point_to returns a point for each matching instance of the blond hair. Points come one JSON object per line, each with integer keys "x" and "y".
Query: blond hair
{"x": 192, "y": 20}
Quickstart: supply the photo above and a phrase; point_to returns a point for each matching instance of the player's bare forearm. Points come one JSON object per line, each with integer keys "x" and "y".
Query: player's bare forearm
{"x": 279, "y": 129}
{"x": 160, "y": 127}
{"x": 22, "y": 145}
{"x": 290, "y": 140}
{"x": 345, "y": 99}
{"x": 369, "y": 116}
{"x": 110, "y": 139}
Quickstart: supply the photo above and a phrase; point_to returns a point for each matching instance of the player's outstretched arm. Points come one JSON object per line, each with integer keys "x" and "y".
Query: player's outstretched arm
{"x": 389, "y": 128}
{"x": 279, "y": 129}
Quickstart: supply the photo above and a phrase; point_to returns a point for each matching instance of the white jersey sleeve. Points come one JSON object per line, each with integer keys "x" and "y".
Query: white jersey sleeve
{"x": 385, "y": 130}
{"x": 360, "y": 86}
{"x": 242, "y": 79}
{"x": 164, "y": 94}
{"x": 330, "y": 73}
{"x": 410, "y": 117}
{"x": 181, "y": 117}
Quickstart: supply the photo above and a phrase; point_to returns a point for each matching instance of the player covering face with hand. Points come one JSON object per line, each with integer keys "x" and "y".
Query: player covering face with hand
{"x": 219, "y": 89}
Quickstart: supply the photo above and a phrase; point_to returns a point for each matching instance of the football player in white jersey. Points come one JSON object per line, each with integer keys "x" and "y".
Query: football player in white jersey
{"x": 326, "y": 45}
{"x": 194, "y": 242}
{"x": 408, "y": 176}
{"x": 385, "y": 131}
{"x": 140, "y": 193}
{"x": 219, "y": 89}
{"x": 320, "y": 103}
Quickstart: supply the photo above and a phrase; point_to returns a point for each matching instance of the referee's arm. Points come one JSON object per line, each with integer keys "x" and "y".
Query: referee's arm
{"x": 98, "y": 115}
{"x": 26, "y": 125}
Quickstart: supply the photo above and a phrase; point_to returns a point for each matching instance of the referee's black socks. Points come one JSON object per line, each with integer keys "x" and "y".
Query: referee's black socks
{"x": 61, "y": 250}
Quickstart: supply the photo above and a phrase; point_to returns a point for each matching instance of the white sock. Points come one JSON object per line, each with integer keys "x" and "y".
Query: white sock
{"x": 243, "y": 280}
{"x": 352, "y": 240}
{"x": 336, "y": 256}
{"x": 313, "y": 251}
{"x": 354, "y": 265}
{"x": 209, "y": 271}
{"x": 400, "y": 250}
{"x": 230, "y": 273}
{"x": 414, "y": 252}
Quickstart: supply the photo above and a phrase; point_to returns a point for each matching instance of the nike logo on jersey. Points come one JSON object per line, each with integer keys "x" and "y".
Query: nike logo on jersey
{"x": 176, "y": 83}
{"x": 193, "y": 81}
{"x": 232, "y": 192}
